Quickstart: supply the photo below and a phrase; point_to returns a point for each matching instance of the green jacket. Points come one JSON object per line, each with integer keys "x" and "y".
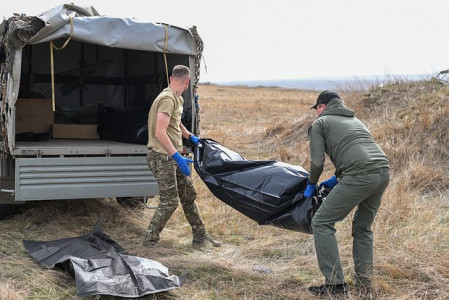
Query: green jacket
{"x": 346, "y": 140}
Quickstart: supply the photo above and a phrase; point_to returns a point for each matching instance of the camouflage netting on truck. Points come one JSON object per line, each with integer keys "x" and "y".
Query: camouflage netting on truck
{"x": 14, "y": 33}
{"x": 3, "y": 109}
{"x": 199, "y": 46}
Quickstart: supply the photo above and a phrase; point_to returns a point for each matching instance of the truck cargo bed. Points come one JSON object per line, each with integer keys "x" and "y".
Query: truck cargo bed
{"x": 69, "y": 147}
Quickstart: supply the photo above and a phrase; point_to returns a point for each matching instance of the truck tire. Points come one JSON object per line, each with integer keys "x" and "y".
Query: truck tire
{"x": 8, "y": 210}
{"x": 132, "y": 202}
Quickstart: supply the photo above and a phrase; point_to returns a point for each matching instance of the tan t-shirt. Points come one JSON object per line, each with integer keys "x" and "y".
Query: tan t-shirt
{"x": 167, "y": 102}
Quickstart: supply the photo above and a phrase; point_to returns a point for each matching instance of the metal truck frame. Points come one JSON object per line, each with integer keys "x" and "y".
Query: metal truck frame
{"x": 74, "y": 62}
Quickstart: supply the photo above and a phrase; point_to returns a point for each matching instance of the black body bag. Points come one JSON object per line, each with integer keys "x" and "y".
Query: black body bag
{"x": 101, "y": 266}
{"x": 268, "y": 191}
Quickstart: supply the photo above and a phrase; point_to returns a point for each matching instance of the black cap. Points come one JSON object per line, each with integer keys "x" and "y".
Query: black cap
{"x": 325, "y": 97}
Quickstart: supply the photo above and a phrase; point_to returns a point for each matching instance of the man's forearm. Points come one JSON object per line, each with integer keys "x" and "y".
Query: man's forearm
{"x": 185, "y": 133}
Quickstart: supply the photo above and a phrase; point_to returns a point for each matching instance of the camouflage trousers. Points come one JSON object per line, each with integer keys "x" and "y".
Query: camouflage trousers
{"x": 174, "y": 187}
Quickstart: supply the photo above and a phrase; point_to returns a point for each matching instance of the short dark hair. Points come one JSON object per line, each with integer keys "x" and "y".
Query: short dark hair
{"x": 180, "y": 71}
{"x": 324, "y": 98}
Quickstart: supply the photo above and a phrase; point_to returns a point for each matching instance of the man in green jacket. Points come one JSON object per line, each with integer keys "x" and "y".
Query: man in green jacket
{"x": 361, "y": 177}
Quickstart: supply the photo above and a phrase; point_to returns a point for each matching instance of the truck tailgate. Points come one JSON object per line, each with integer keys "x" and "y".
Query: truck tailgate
{"x": 46, "y": 178}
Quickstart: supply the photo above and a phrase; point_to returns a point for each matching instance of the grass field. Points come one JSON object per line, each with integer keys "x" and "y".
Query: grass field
{"x": 408, "y": 119}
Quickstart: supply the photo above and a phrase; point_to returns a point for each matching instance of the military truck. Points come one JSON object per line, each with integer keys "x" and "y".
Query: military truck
{"x": 76, "y": 88}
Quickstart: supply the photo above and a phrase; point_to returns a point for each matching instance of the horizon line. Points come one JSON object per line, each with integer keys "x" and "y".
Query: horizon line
{"x": 328, "y": 78}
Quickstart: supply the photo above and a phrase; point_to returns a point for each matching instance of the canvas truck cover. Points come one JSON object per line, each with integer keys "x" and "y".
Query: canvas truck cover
{"x": 268, "y": 192}
{"x": 86, "y": 25}
{"x": 82, "y": 24}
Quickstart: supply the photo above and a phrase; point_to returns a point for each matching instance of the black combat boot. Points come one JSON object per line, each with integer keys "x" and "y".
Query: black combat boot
{"x": 340, "y": 290}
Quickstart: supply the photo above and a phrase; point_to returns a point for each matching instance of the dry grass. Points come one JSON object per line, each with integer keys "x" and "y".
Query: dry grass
{"x": 409, "y": 120}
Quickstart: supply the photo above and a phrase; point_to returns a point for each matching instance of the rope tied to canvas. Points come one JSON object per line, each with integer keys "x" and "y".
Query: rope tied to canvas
{"x": 165, "y": 51}
{"x": 52, "y": 66}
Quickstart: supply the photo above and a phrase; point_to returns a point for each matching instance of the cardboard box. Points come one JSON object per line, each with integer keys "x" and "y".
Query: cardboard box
{"x": 75, "y": 131}
{"x": 34, "y": 115}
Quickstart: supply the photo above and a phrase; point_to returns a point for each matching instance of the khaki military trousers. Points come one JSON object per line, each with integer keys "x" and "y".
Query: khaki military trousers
{"x": 174, "y": 187}
{"x": 363, "y": 191}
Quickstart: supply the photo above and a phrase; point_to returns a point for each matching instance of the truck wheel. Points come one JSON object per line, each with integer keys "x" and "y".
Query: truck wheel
{"x": 7, "y": 210}
{"x": 129, "y": 201}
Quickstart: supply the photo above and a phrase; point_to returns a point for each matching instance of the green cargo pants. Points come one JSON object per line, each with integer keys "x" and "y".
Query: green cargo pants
{"x": 363, "y": 191}
{"x": 174, "y": 187}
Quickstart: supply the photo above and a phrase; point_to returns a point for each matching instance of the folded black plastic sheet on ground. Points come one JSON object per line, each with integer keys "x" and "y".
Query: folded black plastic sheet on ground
{"x": 268, "y": 192}
{"x": 102, "y": 267}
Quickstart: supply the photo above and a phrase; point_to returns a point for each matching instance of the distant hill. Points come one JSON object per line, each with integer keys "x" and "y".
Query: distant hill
{"x": 324, "y": 83}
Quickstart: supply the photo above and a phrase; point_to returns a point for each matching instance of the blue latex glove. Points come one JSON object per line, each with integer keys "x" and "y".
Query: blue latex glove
{"x": 182, "y": 163}
{"x": 194, "y": 139}
{"x": 330, "y": 183}
{"x": 310, "y": 189}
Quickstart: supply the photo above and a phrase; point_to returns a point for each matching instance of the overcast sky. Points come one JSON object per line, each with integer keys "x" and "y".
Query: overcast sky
{"x": 293, "y": 39}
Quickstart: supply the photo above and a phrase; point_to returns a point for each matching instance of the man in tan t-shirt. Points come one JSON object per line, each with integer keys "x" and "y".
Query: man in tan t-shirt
{"x": 165, "y": 133}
